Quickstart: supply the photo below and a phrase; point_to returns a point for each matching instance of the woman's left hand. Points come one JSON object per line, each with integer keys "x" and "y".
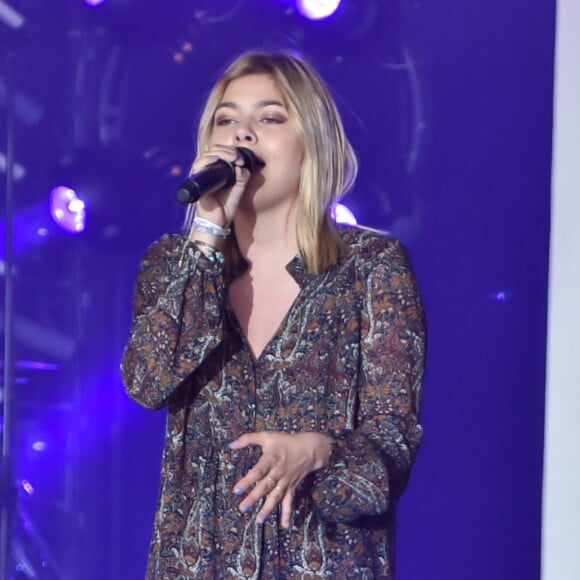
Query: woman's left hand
{"x": 286, "y": 460}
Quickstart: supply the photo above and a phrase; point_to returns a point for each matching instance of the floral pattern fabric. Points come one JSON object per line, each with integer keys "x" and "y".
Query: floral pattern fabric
{"x": 347, "y": 361}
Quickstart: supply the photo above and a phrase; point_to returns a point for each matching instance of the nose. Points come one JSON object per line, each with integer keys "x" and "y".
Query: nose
{"x": 244, "y": 135}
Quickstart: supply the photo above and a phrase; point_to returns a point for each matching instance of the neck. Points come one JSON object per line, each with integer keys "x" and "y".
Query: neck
{"x": 268, "y": 237}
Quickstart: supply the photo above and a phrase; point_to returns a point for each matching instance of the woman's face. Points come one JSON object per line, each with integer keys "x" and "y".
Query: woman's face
{"x": 252, "y": 114}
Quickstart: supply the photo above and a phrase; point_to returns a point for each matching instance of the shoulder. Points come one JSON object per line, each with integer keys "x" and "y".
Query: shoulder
{"x": 370, "y": 247}
{"x": 383, "y": 262}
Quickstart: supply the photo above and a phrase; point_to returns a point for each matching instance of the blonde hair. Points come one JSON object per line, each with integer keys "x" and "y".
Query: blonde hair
{"x": 329, "y": 164}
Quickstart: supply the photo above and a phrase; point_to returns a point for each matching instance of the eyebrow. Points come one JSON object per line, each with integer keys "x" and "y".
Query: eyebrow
{"x": 259, "y": 105}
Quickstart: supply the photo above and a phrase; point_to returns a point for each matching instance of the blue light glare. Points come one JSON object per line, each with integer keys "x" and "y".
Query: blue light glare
{"x": 343, "y": 215}
{"x": 317, "y": 9}
{"x": 27, "y": 487}
{"x": 39, "y": 446}
{"x": 94, "y": 2}
{"x": 67, "y": 210}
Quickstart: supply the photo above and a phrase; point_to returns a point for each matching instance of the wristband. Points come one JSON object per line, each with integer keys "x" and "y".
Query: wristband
{"x": 208, "y": 227}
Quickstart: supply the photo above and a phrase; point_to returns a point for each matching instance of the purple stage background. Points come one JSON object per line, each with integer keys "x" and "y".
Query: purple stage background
{"x": 449, "y": 106}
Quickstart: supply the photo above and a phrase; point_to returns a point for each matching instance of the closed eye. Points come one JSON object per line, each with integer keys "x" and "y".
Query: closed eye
{"x": 224, "y": 121}
{"x": 270, "y": 120}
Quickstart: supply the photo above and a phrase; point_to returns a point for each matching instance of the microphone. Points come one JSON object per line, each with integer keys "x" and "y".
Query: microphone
{"x": 216, "y": 176}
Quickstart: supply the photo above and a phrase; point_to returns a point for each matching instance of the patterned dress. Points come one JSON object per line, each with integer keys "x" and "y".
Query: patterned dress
{"x": 347, "y": 361}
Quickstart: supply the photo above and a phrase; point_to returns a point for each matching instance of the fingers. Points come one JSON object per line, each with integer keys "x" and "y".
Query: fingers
{"x": 275, "y": 493}
{"x": 271, "y": 490}
{"x": 275, "y": 476}
{"x": 287, "y": 508}
{"x": 278, "y": 495}
{"x": 221, "y": 206}
{"x": 257, "y": 438}
{"x": 262, "y": 468}
{"x": 255, "y": 479}
{"x": 261, "y": 481}
{"x": 281, "y": 495}
{"x": 229, "y": 154}
{"x": 286, "y": 460}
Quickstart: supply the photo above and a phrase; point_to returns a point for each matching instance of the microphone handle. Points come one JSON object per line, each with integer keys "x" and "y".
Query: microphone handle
{"x": 212, "y": 178}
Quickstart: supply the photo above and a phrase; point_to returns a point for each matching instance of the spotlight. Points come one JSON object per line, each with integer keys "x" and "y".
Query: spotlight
{"x": 10, "y": 16}
{"x": 27, "y": 487}
{"x": 94, "y": 2}
{"x": 317, "y": 9}
{"x": 500, "y": 296}
{"x": 343, "y": 215}
{"x": 67, "y": 210}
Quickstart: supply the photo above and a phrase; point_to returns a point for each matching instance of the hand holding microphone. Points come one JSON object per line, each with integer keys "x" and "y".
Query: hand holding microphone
{"x": 217, "y": 183}
{"x": 217, "y": 175}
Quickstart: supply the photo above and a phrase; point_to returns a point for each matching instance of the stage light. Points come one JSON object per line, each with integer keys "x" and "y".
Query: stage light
{"x": 67, "y": 210}
{"x": 94, "y": 2}
{"x": 27, "y": 487}
{"x": 343, "y": 215}
{"x": 500, "y": 296}
{"x": 10, "y": 16}
{"x": 317, "y": 9}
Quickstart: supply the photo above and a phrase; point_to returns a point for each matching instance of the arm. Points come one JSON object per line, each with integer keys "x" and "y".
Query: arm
{"x": 177, "y": 320}
{"x": 370, "y": 463}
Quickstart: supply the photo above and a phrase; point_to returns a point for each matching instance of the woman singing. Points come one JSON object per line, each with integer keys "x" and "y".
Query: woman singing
{"x": 288, "y": 350}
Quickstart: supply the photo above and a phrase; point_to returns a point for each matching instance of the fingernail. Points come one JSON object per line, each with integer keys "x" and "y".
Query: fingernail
{"x": 239, "y": 490}
{"x": 262, "y": 519}
{"x": 245, "y": 508}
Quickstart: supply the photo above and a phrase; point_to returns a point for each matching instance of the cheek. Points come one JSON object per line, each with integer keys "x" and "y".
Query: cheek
{"x": 293, "y": 151}
{"x": 298, "y": 158}
{"x": 221, "y": 135}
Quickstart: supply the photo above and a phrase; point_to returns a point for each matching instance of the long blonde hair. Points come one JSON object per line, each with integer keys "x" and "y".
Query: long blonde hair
{"x": 329, "y": 165}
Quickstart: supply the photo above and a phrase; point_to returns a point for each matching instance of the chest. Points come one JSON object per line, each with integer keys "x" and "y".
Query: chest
{"x": 260, "y": 303}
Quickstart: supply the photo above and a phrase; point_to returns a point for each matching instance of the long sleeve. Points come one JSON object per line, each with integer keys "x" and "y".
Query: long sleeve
{"x": 177, "y": 319}
{"x": 371, "y": 462}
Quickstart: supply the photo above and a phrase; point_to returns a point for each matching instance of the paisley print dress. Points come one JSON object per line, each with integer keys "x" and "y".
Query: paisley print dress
{"x": 346, "y": 361}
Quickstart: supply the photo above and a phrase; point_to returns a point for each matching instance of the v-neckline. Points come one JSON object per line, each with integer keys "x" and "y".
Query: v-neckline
{"x": 256, "y": 357}
{"x": 298, "y": 271}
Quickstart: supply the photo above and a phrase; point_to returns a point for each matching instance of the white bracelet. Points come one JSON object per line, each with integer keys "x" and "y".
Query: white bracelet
{"x": 208, "y": 227}
{"x": 211, "y": 252}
